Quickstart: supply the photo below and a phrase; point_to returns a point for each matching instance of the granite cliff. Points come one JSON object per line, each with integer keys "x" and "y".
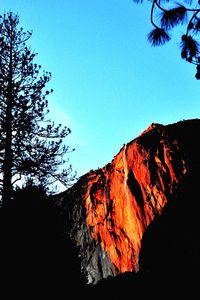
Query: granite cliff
{"x": 109, "y": 210}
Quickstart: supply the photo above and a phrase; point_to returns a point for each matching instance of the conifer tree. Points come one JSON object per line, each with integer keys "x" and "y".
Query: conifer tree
{"x": 166, "y": 15}
{"x": 31, "y": 145}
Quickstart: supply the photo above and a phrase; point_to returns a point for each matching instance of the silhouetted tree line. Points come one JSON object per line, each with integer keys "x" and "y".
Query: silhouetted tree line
{"x": 36, "y": 254}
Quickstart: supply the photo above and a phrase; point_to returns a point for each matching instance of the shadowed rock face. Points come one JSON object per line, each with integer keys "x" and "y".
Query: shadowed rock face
{"x": 109, "y": 209}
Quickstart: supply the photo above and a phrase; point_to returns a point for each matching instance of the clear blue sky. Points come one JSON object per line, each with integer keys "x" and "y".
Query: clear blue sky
{"x": 109, "y": 83}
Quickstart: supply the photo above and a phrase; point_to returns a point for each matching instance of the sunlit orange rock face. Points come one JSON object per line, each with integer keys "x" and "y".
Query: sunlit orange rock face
{"x": 114, "y": 205}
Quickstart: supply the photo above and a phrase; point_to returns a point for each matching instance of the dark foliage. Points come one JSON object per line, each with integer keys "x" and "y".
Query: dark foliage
{"x": 158, "y": 37}
{"x": 31, "y": 145}
{"x": 37, "y": 257}
{"x": 173, "y": 17}
{"x": 166, "y": 15}
{"x": 189, "y": 48}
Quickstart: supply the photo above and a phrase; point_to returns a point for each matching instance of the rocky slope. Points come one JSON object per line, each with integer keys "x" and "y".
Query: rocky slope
{"x": 108, "y": 210}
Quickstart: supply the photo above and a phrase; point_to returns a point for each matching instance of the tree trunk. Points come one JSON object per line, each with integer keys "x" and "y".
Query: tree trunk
{"x": 7, "y": 165}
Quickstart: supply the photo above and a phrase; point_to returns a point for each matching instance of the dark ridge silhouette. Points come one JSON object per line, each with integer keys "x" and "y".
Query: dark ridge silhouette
{"x": 171, "y": 245}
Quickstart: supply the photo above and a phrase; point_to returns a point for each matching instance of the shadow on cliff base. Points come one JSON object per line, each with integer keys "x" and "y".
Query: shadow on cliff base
{"x": 171, "y": 245}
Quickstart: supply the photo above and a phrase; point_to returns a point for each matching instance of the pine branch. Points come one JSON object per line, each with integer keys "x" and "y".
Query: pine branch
{"x": 189, "y": 48}
{"x": 158, "y": 37}
{"x": 173, "y": 17}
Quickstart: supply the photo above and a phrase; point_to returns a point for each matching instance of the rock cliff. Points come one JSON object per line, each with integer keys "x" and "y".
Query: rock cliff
{"x": 108, "y": 210}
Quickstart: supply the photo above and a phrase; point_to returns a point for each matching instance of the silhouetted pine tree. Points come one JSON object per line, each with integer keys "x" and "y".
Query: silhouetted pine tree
{"x": 165, "y": 15}
{"x": 31, "y": 146}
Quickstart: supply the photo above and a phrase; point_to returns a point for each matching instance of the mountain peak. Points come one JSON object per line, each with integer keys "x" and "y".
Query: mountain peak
{"x": 109, "y": 209}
